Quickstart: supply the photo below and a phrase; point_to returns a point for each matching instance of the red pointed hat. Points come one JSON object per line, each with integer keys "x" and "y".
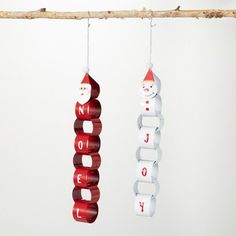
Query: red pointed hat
{"x": 95, "y": 88}
{"x": 149, "y": 76}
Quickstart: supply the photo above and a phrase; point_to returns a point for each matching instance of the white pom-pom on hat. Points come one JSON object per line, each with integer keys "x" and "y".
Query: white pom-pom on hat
{"x": 149, "y": 65}
{"x": 86, "y": 69}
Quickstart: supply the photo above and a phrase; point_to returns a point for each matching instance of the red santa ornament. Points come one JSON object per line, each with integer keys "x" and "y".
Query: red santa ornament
{"x": 87, "y": 144}
{"x": 87, "y": 106}
{"x": 88, "y": 89}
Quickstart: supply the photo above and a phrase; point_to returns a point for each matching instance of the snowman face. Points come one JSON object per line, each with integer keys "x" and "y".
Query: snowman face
{"x": 84, "y": 93}
{"x": 149, "y": 89}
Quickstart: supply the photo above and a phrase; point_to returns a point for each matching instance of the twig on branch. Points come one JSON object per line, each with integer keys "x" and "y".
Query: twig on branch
{"x": 43, "y": 13}
{"x": 177, "y": 8}
{"x": 42, "y": 9}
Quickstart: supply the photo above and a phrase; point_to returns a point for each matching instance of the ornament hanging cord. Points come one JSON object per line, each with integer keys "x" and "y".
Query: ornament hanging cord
{"x": 87, "y": 66}
{"x": 150, "y": 43}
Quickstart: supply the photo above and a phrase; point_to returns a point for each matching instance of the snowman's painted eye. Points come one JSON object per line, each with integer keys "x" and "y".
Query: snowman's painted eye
{"x": 151, "y": 86}
{"x": 143, "y": 86}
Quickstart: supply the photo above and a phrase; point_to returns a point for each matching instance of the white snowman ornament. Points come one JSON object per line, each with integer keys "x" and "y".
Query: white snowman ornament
{"x": 149, "y": 138}
{"x": 151, "y": 100}
{"x": 151, "y": 85}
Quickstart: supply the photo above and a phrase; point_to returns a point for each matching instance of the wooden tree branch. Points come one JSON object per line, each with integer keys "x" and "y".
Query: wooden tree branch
{"x": 43, "y": 13}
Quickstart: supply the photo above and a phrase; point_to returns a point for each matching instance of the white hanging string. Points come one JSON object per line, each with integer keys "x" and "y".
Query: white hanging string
{"x": 87, "y": 66}
{"x": 150, "y": 44}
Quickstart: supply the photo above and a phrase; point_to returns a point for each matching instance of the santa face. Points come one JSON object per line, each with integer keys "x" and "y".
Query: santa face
{"x": 84, "y": 93}
{"x": 149, "y": 89}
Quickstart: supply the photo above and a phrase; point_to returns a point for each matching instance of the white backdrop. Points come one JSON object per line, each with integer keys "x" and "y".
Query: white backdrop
{"x": 41, "y": 66}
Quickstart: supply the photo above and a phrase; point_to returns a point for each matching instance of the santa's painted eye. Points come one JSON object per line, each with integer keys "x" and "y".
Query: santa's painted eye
{"x": 143, "y": 86}
{"x": 151, "y": 86}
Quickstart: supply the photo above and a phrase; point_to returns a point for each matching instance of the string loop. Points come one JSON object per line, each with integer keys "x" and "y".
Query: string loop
{"x": 150, "y": 44}
{"x": 87, "y": 66}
